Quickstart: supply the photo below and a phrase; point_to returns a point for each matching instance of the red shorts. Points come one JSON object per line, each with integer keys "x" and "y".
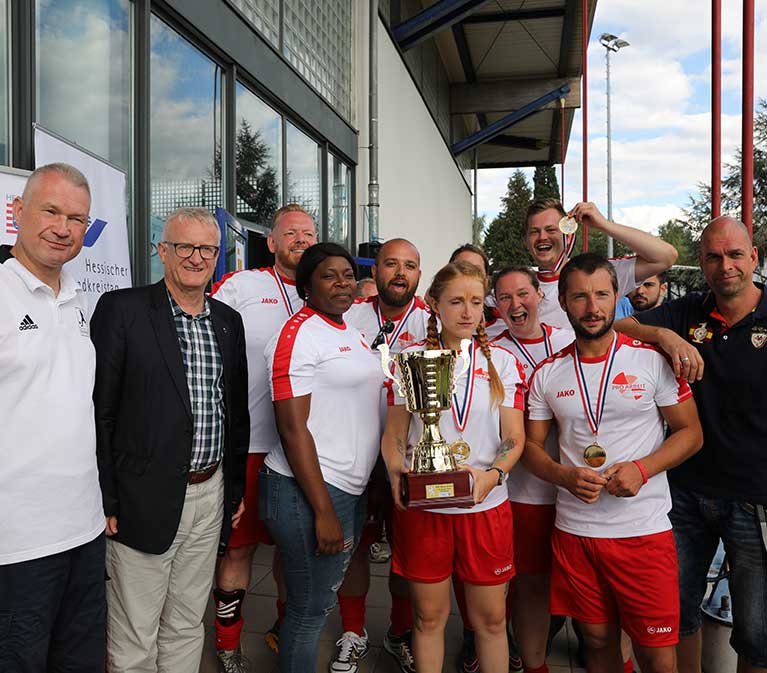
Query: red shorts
{"x": 632, "y": 581}
{"x": 478, "y": 547}
{"x": 251, "y": 529}
{"x": 533, "y": 527}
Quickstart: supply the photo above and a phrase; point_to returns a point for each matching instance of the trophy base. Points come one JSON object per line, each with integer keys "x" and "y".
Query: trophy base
{"x": 437, "y": 490}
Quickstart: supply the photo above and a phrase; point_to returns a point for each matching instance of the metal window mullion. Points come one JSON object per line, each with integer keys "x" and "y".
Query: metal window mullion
{"x": 229, "y": 140}
{"x": 140, "y": 167}
{"x": 324, "y": 196}
{"x": 22, "y": 84}
{"x": 284, "y": 141}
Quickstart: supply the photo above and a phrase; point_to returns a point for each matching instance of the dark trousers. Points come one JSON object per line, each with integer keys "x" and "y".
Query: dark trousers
{"x": 52, "y": 612}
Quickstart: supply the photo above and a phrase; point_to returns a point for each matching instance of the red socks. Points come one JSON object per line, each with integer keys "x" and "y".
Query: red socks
{"x": 352, "y": 613}
{"x": 228, "y": 637}
{"x": 280, "y": 611}
{"x": 540, "y": 669}
{"x": 228, "y": 620}
{"x": 401, "y": 615}
{"x": 628, "y": 665}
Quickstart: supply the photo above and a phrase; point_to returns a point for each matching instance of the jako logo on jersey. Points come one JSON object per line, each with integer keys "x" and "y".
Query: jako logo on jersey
{"x": 500, "y": 571}
{"x": 627, "y": 386}
{"x": 659, "y": 629}
{"x": 270, "y": 300}
{"x": 565, "y": 393}
{"x": 95, "y": 228}
{"x": 345, "y": 349}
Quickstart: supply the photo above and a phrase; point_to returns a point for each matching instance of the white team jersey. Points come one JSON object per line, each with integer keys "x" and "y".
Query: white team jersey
{"x": 313, "y": 355}
{"x": 409, "y": 327}
{"x": 551, "y": 312}
{"x": 640, "y": 381}
{"x": 472, "y": 410}
{"x": 523, "y": 486}
{"x": 265, "y": 300}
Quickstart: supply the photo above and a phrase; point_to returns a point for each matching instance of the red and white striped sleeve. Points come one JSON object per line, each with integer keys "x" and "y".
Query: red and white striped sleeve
{"x": 670, "y": 390}
{"x": 291, "y": 358}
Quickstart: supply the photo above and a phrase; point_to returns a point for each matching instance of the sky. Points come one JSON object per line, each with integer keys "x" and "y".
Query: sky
{"x": 660, "y": 105}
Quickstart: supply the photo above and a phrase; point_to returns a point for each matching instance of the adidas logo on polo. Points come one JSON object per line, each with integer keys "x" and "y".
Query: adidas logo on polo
{"x": 27, "y": 323}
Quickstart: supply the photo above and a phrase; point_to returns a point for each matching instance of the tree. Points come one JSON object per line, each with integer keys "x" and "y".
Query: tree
{"x": 504, "y": 240}
{"x": 477, "y": 229}
{"x": 679, "y": 234}
{"x": 545, "y": 185}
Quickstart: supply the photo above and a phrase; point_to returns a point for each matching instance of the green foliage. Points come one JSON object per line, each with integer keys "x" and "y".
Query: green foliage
{"x": 504, "y": 240}
{"x": 545, "y": 185}
{"x": 681, "y": 235}
{"x": 477, "y": 229}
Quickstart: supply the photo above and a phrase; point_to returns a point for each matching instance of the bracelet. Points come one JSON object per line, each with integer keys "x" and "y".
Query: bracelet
{"x": 501, "y": 473}
{"x": 641, "y": 467}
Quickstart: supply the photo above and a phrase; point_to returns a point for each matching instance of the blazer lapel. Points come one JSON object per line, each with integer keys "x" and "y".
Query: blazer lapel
{"x": 165, "y": 331}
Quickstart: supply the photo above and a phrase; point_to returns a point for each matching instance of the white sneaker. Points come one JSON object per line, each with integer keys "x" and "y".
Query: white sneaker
{"x": 351, "y": 648}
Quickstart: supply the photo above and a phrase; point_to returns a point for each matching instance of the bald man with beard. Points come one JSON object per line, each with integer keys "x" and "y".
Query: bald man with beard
{"x": 717, "y": 339}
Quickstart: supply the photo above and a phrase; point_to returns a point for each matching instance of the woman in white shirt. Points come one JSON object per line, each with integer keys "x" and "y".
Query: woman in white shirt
{"x": 476, "y": 543}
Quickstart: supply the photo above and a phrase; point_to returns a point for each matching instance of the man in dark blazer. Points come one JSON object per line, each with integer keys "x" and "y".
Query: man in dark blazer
{"x": 171, "y": 399}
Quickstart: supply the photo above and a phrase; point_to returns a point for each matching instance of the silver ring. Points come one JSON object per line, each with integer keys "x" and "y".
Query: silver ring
{"x": 685, "y": 359}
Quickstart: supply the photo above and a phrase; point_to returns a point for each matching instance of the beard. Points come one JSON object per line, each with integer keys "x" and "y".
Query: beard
{"x": 591, "y": 336}
{"x": 396, "y": 300}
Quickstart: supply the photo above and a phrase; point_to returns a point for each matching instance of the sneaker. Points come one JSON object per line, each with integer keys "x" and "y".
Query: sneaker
{"x": 272, "y": 638}
{"x": 515, "y": 661}
{"x": 378, "y": 554}
{"x": 232, "y": 661}
{"x": 467, "y": 661}
{"x": 351, "y": 648}
{"x": 401, "y": 648}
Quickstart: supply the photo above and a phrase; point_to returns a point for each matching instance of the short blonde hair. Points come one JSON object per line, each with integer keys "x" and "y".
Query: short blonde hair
{"x": 288, "y": 208}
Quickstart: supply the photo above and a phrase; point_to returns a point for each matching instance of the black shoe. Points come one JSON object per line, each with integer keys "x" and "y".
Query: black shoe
{"x": 515, "y": 661}
{"x": 401, "y": 648}
{"x": 467, "y": 661}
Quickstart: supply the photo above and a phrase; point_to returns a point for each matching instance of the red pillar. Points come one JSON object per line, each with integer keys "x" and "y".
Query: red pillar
{"x": 747, "y": 131}
{"x": 585, "y": 109}
{"x": 716, "y": 108}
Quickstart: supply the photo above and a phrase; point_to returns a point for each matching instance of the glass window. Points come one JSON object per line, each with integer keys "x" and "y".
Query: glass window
{"x": 303, "y": 164}
{"x": 339, "y": 198}
{"x": 83, "y": 73}
{"x": 5, "y": 94}
{"x": 258, "y": 158}
{"x": 185, "y": 127}
{"x": 264, "y": 15}
{"x": 318, "y": 42}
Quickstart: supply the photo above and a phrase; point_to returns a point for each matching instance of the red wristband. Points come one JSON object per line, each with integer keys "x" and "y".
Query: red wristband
{"x": 638, "y": 463}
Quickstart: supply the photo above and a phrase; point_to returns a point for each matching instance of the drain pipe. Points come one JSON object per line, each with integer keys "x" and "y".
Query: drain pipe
{"x": 373, "y": 194}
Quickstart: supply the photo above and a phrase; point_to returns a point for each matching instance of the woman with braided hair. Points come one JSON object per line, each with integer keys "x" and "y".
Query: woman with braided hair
{"x": 475, "y": 543}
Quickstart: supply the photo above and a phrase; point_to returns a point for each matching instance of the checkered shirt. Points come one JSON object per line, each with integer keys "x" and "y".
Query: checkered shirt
{"x": 205, "y": 380}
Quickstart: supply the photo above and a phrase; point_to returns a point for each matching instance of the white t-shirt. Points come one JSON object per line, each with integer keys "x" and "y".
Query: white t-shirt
{"x": 409, "y": 327}
{"x": 50, "y": 499}
{"x": 265, "y": 300}
{"x": 313, "y": 355}
{"x": 640, "y": 381}
{"x": 551, "y": 312}
{"x": 523, "y": 486}
{"x": 473, "y": 410}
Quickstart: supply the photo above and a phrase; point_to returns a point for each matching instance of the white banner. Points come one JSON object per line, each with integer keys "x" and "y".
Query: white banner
{"x": 12, "y": 181}
{"x": 104, "y": 262}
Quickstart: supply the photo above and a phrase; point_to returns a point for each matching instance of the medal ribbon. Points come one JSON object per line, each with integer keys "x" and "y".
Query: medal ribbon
{"x": 400, "y": 324}
{"x": 526, "y": 353}
{"x": 568, "y": 243}
{"x": 283, "y": 291}
{"x": 461, "y": 411}
{"x": 595, "y": 417}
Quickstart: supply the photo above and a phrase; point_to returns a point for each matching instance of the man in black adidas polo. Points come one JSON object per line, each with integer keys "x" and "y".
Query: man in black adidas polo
{"x": 718, "y": 340}
{"x": 52, "y": 605}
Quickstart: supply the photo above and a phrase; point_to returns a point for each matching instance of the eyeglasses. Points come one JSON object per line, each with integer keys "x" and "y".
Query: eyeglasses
{"x": 186, "y": 250}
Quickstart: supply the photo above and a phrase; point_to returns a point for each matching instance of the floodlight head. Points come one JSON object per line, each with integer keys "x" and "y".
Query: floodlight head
{"x": 620, "y": 44}
{"x": 612, "y": 42}
{"x": 607, "y": 37}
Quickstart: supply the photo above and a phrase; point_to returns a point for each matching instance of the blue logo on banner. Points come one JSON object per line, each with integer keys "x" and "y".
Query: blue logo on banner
{"x": 93, "y": 233}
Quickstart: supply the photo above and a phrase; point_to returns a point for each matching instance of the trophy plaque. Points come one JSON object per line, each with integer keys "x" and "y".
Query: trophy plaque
{"x": 427, "y": 382}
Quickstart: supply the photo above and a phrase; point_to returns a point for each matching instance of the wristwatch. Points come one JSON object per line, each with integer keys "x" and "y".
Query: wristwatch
{"x": 499, "y": 471}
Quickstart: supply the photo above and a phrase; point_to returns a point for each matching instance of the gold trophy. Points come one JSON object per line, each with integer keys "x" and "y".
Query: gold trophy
{"x": 427, "y": 382}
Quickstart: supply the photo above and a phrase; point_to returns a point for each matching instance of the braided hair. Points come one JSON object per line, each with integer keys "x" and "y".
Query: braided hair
{"x": 444, "y": 276}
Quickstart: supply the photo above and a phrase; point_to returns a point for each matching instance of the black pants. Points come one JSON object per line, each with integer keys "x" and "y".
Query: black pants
{"x": 53, "y": 611}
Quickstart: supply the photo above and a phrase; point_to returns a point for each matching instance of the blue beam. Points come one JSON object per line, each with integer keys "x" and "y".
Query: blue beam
{"x": 440, "y": 15}
{"x": 497, "y": 127}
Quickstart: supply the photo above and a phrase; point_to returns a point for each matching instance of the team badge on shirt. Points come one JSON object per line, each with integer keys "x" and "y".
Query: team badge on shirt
{"x": 701, "y": 334}
{"x": 82, "y": 322}
{"x": 758, "y": 337}
{"x": 627, "y": 386}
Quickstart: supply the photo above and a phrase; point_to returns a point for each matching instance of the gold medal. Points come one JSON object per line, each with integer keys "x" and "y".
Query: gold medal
{"x": 568, "y": 225}
{"x": 594, "y": 455}
{"x": 460, "y": 450}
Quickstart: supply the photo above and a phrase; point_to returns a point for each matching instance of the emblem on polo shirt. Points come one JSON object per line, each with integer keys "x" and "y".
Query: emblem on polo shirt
{"x": 700, "y": 334}
{"x": 27, "y": 323}
{"x": 758, "y": 337}
{"x": 82, "y": 322}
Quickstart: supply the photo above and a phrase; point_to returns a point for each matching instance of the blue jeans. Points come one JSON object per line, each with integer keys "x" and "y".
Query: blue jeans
{"x": 699, "y": 522}
{"x": 312, "y": 580}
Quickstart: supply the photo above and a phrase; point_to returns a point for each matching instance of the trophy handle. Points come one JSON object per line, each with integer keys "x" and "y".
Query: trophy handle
{"x": 464, "y": 358}
{"x": 386, "y": 361}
